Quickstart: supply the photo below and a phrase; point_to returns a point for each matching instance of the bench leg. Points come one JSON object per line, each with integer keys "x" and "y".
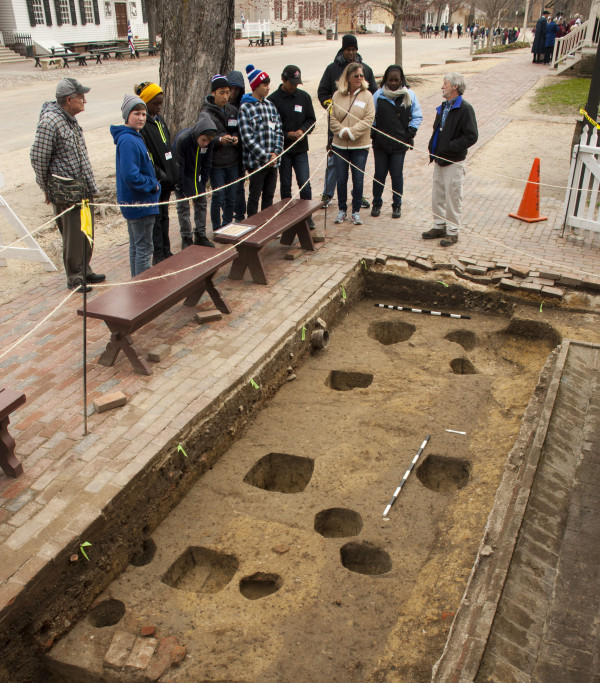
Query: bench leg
{"x": 121, "y": 341}
{"x": 207, "y": 286}
{"x": 249, "y": 257}
{"x": 303, "y": 233}
{"x": 8, "y": 460}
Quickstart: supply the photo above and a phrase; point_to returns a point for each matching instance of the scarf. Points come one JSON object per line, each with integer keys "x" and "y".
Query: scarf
{"x": 394, "y": 94}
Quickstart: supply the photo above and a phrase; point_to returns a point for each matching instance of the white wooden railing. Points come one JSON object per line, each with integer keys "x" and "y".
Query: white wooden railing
{"x": 254, "y": 28}
{"x": 566, "y": 47}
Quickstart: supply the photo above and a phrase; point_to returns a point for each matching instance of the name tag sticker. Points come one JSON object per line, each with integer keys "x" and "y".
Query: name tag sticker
{"x": 203, "y": 150}
{"x": 232, "y": 122}
{"x": 298, "y": 108}
{"x": 168, "y": 155}
{"x": 360, "y": 104}
{"x": 271, "y": 124}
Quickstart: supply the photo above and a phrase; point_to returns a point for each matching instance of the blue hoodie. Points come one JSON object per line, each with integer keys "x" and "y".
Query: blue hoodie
{"x": 136, "y": 180}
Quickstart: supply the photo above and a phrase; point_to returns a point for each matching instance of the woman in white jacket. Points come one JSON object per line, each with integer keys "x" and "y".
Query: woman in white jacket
{"x": 352, "y": 115}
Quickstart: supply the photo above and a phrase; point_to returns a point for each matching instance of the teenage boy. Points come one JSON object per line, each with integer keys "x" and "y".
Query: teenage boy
{"x": 193, "y": 153}
{"x": 136, "y": 183}
{"x": 225, "y": 152}
{"x": 260, "y": 130}
{"x": 237, "y": 89}
{"x": 297, "y": 115}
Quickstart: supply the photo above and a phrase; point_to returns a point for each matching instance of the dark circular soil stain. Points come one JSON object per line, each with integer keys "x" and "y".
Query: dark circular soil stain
{"x": 201, "y": 570}
{"x": 465, "y": 338}
{"x": 260, "y": 585}
{"x": 462, "y": 366}
{"x": 345, "y": 380}
{"x": 107, "y": 613}
{"x": 338, "y": 523}
{"x": 281, "y": 472}
{"x": 443, "y": 474}
{"x": 145, "y": 554}
{"x": 365, "y": 558}
{"x": 389, "y": 332}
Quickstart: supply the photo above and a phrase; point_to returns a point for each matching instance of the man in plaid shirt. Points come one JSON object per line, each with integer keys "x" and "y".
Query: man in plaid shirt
{"x": 262, "y": 137}
{"x": 59, "y": 150}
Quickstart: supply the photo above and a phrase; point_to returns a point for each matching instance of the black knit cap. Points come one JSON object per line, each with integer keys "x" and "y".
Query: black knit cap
{"x": 217, "y": 82}
{"x": 349, "y": 41}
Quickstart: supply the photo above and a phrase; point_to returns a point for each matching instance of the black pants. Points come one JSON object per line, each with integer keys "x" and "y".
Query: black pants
{"x": 262, "y": 183}
{"x": 160, "y": 233}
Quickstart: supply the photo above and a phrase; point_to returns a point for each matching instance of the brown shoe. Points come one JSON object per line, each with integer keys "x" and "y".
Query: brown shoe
{"x": 449, "y": 241}
{"x": 434, "y": 233}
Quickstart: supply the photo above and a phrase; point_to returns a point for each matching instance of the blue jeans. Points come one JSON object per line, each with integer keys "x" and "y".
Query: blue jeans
{"x": 183, "y": 214}
{"x": 140, "y": 243}
{"x": 392, "y": 162}
{"x": 330, "y": 178}
{"x": 358, "y": 157}
{"x": 299, "y": 162}
{"x": 222, "y": 199}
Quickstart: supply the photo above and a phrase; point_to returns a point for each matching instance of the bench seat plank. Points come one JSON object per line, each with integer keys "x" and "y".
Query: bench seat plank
{"x": 9, "y": 401}
{"x": 126, "y": 308}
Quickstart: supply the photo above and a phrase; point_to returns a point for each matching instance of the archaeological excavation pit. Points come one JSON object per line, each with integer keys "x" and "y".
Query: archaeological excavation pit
{"x": 106, "y": 613}
{"x": 462, "y": 366}
{"x": 318, "y": 586}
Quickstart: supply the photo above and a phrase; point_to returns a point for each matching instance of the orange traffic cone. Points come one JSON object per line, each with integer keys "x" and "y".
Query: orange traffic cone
{"x": 529, "y": 209}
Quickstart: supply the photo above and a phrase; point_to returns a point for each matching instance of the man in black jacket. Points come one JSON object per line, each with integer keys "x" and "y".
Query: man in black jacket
{"x": 158, "y": 141}
{"x": 454, "y": 131}
{"x": 297, "y": 119}
{"x": 328, "y": 85}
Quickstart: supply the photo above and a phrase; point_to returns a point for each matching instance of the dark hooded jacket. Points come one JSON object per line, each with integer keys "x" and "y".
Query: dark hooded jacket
{"x": 225, "y": 120}
{"x": 331, "y": 76}
{"x": 158, "y": 141}
{"x": 194, "y": 162}
{"x": 237, "y": 78}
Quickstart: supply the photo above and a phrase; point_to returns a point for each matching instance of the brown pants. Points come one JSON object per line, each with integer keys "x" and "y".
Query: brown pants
{"x": 74, "y": 242}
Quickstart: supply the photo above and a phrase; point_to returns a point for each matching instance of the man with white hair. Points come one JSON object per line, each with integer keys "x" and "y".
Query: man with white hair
{"x": 454, "y": 131}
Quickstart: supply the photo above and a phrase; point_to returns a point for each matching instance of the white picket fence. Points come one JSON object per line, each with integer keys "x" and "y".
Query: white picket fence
{"x": 254, "y": 28}
{"x": 581, "y": 209}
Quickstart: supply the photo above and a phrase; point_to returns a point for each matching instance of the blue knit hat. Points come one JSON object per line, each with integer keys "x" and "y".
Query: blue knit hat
{"x": 255, "y": 76}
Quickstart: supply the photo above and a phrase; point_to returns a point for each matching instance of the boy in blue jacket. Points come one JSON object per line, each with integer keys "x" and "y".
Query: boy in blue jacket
{"x": 136, "y": 183}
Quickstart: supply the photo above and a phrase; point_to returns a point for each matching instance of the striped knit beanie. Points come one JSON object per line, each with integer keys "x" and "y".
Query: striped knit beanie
{"x": 255, "y": 76}
{"x": 217, "y": 82}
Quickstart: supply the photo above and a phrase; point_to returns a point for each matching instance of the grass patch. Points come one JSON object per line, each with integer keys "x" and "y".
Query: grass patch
{"x": 563, "y": 98}
{"x": 502, "y": 48}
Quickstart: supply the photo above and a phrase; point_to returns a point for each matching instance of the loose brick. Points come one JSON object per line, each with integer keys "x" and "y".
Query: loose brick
{"x": 476, "y": 270}
{"x": 317, "y": 237}
{"x": 519, "y": 272}
{"x": 456, "y": 264}
{"x": 423, "y": 264}
{"x": 158, "y": 353}
{"x": 505, "y": 283}
{"x": 530, "y": 287}
{"x": 569, "y": 281}
{"x": 481, "y": 279}
{"x": 119, "y": 650}
{"x": 293, "y": 254}
{"x": 158, "y": 666}
{"x": 467, "y": 261}
{"x": 109, "y": 401}
{"x": 146, "y": 631}
{"x": 142, "y": 651}
{"x": 534, "y": 273}
{"x": 591, "y": 284}
{"x": 549, "y": 274}
{"x": 381, "y": 258}
{"x": 442, "y": 265}
{"x": 208, "y": 316}
{"x": 497, "y": 277}
{"x": 553, "y": 292}
{"x": 490, "y": 265}
{"x": 545, "y": 282}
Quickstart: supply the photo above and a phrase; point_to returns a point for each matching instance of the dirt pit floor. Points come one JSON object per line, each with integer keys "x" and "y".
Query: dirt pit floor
{"x": 279, "y": 565}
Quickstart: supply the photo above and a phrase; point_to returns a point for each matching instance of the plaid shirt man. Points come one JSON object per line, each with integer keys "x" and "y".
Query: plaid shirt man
{"x": 59, "y": 148}
{"x": 260, "y": 130}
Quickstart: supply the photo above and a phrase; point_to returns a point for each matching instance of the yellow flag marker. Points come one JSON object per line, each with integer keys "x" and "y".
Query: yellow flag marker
{"x": 86, "y": 220}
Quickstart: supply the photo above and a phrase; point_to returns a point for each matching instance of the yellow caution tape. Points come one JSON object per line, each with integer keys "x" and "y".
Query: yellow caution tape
{"x": 589, "y": 118}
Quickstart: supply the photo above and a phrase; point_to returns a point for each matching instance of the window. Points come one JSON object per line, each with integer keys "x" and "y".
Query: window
{"x": 65, "y": 14}
{"x": 277, "y": 10}
{"x": 38, "y": 12}
{"x": 89, "y": 11}
{"x": 290, "y": 8}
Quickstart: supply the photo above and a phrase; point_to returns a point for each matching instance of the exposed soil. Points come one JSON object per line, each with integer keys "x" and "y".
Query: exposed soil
{"x": 279, "y": 565}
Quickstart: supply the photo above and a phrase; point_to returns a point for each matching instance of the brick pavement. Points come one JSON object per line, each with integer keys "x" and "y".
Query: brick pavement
{"x": 69, "y": 478}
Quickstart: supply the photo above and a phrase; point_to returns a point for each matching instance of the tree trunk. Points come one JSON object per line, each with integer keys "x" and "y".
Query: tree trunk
{"x": 152, "y": 31}
{"x": 197, "y": 43}
{"x": 398, "y": 40}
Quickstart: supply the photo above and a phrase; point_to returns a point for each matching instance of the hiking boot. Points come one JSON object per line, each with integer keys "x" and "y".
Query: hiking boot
{"x": 434, "y": 233}
{"x": 449, "y": 241}
{"x": 356, "y": 219}
{"x": 375, "y": 211}
{"x": 396, "y": 211}
{"x": 77, "y": 285}
{"x": 341, "y": 217}
{"x": 311, "y": 223}
{"x": 186, "y": 241}
{"x": 326, "y": 199}
{"x": 365, "y": 203}
{"x": 202, "y": 240}
{"x": 94, "y": 278}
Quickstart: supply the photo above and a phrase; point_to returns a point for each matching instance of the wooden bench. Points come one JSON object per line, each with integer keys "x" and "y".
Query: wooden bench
{"x": 81, "y": 59}
{"x": 9, "y": 402}
{"x": 262, "y": 40}
{"x": 150, "y": 51}
{"x": 126, "y": 308}
{"x": 291, "y": 223}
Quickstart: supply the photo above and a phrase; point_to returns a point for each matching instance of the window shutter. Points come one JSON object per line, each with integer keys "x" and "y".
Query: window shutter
{"x": 47, "y": 12}
{"x": 144, "y": 12}
{"x": 73, "y": 12}
{"x": 82, "y": 12}
{"x": 96, "y": 12}
{"x": 31, "y": 12}
{"x": 58, "y": 15}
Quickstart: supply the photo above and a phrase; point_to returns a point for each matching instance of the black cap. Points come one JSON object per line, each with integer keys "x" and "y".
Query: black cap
{"x": 349, "y": 40}
{"x": 292, "y": 74}
{"x": 546, "y": 11}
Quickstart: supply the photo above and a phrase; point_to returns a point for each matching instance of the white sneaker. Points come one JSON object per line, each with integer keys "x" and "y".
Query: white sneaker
{"x": 356, "y": 219}
{"x": 341, "y": 217}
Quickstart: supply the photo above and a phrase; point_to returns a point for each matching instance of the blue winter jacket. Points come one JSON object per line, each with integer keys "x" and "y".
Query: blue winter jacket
{"x": 136, "y": 180}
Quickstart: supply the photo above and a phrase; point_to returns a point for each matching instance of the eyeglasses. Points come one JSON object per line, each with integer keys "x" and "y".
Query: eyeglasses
{"x": 358, "y": 75}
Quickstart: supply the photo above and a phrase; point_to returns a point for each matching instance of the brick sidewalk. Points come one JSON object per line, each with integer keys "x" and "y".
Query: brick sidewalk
{"x": 69, "y": 479}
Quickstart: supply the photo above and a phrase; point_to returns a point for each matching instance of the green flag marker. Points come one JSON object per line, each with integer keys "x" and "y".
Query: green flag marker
{"x": 541, "y": 306}
{"x": 442, "y": 283}
{"x": 343, "y": 292}
{"x": 364, "y": 264}
{"x": 253, "y": 383}
{"x": 85, "y": 544}
{"x": 180, "y": 449}
{"x": 303, "y": 333}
